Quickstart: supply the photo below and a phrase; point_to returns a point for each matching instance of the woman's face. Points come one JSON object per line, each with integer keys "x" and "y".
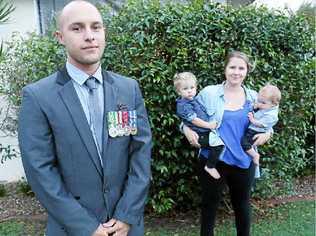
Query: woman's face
{"x": 235, "y": 71}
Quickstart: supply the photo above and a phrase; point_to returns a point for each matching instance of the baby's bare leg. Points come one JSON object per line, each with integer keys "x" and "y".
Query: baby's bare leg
{"x": 255, "y": 155}
{"x": 213, "y": 172}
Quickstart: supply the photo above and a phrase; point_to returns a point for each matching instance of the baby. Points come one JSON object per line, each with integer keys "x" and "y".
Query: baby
{"x": 194, "y": 115}
{"x": 264, "y": 117}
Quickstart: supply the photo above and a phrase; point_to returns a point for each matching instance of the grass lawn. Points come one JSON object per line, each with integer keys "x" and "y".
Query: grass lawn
{"x": 19, "y": 228}
{"x": 289, "y": 219}
{"x": 285, "y": 220}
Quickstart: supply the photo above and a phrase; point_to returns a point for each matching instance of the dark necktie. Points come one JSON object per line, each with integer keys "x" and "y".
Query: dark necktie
{"x": 96, "y": 116}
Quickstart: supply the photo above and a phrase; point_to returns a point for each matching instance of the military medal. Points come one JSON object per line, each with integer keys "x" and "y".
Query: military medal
{"x": 126, "y": 127}
{"x": 112, "y": 123}
{"x": 113, "y": 132}
{"x": 132, "y": 122}
{"x": 122, "y": 123}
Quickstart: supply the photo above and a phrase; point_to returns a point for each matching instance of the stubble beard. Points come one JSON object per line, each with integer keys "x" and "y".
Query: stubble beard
{"x": 85, "y": 60}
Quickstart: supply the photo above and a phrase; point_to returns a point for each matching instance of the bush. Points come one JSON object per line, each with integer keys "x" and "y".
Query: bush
{"x": 151, "y": 42}
{"x": 24, "y": 188}
{"x": 7, "y": 152}
{"x": 3, "y": 190}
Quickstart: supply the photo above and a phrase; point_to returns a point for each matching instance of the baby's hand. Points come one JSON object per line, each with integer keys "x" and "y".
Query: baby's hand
{"x": 212, "y": 125}
{"x": 251, "y": 117}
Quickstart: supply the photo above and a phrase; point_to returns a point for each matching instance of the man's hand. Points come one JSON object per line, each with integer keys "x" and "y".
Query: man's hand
{"x": 116, "y": 227}
{"x": 100, "y": 231}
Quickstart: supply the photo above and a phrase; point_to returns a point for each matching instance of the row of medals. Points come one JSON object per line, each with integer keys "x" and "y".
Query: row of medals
{"x": 122, "y": 123}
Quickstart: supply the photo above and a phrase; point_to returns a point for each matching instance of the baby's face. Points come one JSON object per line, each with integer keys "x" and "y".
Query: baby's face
{"x": 263, "y": 101}
{"x": 187, "y": 89}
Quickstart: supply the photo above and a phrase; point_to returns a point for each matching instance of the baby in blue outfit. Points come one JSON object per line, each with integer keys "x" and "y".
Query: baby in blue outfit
{"x": 264, "y": 117}
{"x": 194, "y": 115}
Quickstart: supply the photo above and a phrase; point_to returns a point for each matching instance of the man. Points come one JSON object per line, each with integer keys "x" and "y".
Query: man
{"x": 88, "y": 163}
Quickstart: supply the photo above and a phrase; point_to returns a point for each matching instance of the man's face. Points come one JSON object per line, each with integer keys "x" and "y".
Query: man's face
{"x": 82, "y": 34}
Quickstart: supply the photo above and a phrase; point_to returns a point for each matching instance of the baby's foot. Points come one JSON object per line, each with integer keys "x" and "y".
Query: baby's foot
{"x": 213, "y": 172}
{"x": 256, "y": 159}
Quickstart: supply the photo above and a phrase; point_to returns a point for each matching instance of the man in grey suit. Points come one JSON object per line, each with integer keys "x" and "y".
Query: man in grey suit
{"x": 88, "y": 164}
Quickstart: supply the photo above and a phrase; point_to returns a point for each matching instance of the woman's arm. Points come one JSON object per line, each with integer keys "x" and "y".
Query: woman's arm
{"x": 191, "y": 136}
{"x": 204, "y": 124}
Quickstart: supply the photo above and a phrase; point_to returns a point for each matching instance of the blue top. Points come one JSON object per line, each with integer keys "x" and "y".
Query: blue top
{"x": 188, "y": 110}
{"x": 235, "y": 123}
{"x": 212, "y": 98}
{"x": 267, "y": 119}
{"x": 233, "y": 128}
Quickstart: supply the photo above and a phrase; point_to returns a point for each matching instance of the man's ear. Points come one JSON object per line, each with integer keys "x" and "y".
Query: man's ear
{"x": 59, "y": 36}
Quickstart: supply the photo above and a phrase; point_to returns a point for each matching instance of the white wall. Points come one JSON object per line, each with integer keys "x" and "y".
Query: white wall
{"x": 10, "y": 170}
{"x": 22, "y": 20}
{"x": 281, "y": 4}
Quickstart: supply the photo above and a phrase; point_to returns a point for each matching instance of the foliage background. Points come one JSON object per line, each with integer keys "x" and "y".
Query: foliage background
{"x": 151, "y": 42}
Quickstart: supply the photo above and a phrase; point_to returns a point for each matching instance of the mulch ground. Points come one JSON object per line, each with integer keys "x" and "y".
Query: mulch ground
{"x": 17, "y": 206}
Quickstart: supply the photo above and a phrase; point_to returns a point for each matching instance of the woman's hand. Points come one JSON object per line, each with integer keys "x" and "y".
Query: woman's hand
{"x": 262, "y": 138}
{"x": 191, "y": 136}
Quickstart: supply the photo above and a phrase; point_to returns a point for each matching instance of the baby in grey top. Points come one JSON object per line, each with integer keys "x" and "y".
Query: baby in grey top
{"x": 264, "y": 117}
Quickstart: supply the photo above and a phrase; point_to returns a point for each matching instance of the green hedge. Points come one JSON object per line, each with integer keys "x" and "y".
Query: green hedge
{"x": 150, "y": 43}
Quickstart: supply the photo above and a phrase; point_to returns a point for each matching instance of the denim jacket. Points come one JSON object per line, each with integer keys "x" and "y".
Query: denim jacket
{"x": 212, "y": 98}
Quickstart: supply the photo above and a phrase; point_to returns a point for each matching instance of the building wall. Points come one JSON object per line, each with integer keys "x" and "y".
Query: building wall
{"x": 10, "y": 170}
{"x": 22, "y": 20}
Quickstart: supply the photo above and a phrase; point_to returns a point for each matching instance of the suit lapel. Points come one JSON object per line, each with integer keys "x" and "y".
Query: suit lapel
{"x": 110, "y": 101}
{"x": 72, "y": 102}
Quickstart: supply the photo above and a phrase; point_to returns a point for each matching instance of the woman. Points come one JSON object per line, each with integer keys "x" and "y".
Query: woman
{"x": 230, "y": 102}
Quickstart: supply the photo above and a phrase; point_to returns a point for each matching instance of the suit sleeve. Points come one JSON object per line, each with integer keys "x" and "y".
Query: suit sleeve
{"x": 41, "y": 167}
{"x": 130, "y": 208}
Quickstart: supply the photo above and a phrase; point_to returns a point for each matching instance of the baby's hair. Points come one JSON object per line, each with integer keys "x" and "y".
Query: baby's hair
{"x": 178, "y": 78}
{"x": 273, "y": 93}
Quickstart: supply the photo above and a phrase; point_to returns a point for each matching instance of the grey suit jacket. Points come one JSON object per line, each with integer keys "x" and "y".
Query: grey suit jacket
{"x": 61, "y": 160}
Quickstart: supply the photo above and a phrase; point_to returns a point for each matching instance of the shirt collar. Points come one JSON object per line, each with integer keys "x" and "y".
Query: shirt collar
{"x": 221, "y": 90}
{"x": 80, "y": 76}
